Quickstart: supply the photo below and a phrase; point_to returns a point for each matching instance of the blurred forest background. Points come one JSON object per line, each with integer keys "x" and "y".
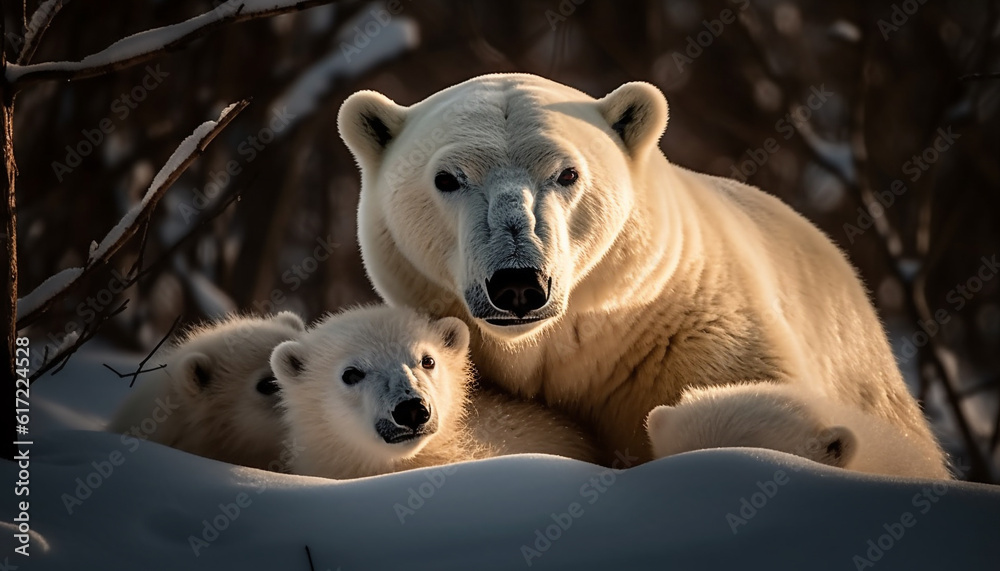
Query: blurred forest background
{"x": 858, "y": 114}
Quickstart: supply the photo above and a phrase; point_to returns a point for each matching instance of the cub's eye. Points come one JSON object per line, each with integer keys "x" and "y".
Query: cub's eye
{"x": 567, "y": 177}
{"x": 427, "y": 362}
{"x": 268, "y": 386}
{"x": 352, "y": 376}
{"x": 446, "y": 182}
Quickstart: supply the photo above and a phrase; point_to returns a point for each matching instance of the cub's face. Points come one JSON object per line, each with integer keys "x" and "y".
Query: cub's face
{"x": 504, "y": 192}
{"x": 381, "y": 382}
{"x": 750, "y": 415}
{"x": 223, "y": 372}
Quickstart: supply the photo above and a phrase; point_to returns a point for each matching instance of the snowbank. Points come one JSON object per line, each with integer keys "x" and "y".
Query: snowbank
{"x": 103, "y": 502}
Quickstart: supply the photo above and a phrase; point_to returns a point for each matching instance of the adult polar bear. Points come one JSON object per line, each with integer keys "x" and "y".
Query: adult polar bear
{"x": 594, "y": 273}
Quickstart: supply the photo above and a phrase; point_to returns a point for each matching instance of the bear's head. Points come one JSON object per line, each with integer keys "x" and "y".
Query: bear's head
{"x": 753, "y": 415}
{"x": 377, "y": 383}
{"x": 228, "y": 396}
{"x": 496, "y": 198}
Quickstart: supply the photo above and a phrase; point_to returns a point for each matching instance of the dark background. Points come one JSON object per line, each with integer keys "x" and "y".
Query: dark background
{"x": 889, "y": 79}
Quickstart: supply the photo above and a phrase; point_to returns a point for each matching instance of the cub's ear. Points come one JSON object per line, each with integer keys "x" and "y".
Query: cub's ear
{"x": 288, "y": 361}
{"x": 196, "y": 369}
{"x": 637, "y": 113}
{"x": 834, "y": 446}
{"x": 658, "y": 429}
{"x": 368, "y": 123}
{"x": 291, "y": 320}
{"x": 454, "y": 334}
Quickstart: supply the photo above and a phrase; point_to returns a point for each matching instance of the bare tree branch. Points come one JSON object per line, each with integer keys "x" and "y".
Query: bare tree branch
{"x": 144, "y": 46}
{"x": 190, "y": 149}
{"x": 59, "y": 360}
{"x": 35, "y": 27}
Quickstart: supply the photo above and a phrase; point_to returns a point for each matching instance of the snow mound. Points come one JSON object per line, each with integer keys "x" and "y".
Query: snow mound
{"x": 104, "y": 501}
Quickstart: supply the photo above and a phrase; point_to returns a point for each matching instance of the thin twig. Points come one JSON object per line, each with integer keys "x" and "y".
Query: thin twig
{"x": 45, "y": 13}
{"x": 62, "y": 357}
{"x": 139, "y": 370}
{"x": 980, "y": 76}
{"x": 310, "y": 557}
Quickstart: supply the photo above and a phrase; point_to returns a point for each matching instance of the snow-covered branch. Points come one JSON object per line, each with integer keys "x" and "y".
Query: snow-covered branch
{"x": 39, "y": 300}
{"x": 142, "y": 47}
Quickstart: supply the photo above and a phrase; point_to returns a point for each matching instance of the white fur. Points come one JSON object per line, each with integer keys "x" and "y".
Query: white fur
{"x": 337, "y": 425}
{"x": 661, "y": 278}
{"x": 209, "y": 390}
{"x": 791, "y": 419}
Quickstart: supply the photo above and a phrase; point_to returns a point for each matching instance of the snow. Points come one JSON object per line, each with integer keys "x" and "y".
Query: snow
{"x": 670, "y": 514}
{"x": 47, "y": 290}
{"x": 148, "y": 41}
{"x": 398, "y": 36}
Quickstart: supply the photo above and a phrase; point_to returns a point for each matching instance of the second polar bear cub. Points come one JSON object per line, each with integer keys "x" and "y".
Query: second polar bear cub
{"x": 790, "y": 419}
{"x": 378, "y": 389}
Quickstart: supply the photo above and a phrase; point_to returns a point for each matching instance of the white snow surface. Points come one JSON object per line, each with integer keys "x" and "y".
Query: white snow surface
{"x": 667, "y": 514}
{"x": 46, "y": 290}
{"x": 152, "y": 40}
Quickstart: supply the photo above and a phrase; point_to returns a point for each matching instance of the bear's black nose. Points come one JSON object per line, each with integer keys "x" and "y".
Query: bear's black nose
{"x": 411, "y": 413}
{"x": 518, "y": 290}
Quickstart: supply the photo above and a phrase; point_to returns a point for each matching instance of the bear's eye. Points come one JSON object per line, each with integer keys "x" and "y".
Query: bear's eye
{"x": 567, "y": 177}
{"x": 352, "y": 376}
{"x": 427, "y": 362}
{"x": 268, "y": 386}
{"x": 446, "y": 182}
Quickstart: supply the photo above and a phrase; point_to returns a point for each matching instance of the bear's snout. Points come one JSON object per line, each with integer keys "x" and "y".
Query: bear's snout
{"x": 518, "y": 290}
{"x": 412, "y": 413}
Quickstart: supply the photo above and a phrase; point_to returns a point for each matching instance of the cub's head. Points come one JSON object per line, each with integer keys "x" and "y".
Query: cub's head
{"x": 374, "y": 383}
{"x": 499, "y": 195}
{"x": 754, "y": 415}
{"x": 221, "y": 375}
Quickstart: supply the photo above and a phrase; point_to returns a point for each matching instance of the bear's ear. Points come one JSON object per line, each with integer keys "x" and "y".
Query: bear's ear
{"x": 368, "y": 122}
{"x": 657, "y": 428}
{"x": 291, "y": 320}
{"x": 196, "y": 369}
{"x": 637, "y": 113}
{"x": 288, "y": 361}
{"x": 454, "y": 333}
{"x": 834, "y": 446}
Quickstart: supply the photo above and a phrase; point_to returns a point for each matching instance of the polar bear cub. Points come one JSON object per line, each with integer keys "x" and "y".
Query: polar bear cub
{"x": 378, "y": 389}
{"x": 217, "y": 396}
{"x": 790, "y": 419}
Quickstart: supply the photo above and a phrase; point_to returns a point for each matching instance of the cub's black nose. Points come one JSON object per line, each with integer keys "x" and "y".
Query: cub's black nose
{"x": 518, "y": 291}
{"x": 411, "y": 413}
